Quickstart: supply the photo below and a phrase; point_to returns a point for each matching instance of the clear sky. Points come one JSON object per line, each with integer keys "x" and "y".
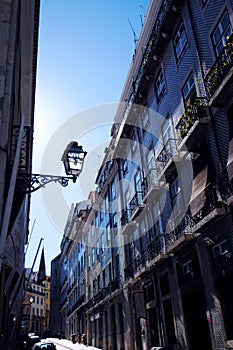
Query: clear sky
{"x": 85, "y": 50}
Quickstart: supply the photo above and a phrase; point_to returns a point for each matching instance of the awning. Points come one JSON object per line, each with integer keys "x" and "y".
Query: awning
{"x": 198, "y": 197}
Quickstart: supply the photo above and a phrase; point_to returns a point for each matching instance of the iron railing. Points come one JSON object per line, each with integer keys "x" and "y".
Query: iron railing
{"x": 193, "y": 112}
{"x": 220, "y": 68}
{"x": 166, "y": 153}
{"x": 175, "y": 229}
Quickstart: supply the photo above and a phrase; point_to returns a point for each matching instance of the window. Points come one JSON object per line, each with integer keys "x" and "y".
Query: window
{"x": 102, "y": 209}
{"x": 166, "y": 130}
{"x": 102, "y": 242}
{"x": 97, "y": 249}
{"x": 97, "y": 220}
{"x": 114, "y": 220}
{"x": 159, "y": 225}
{"x": 106, "y": 201}
{"x": 110, "y": 272}
{"x": 167, "y": 139}
{"x": 94, "y": 287}
{"x": 189, "y": 89}
{"x": 124, "y": 166}
{"x": 113, "y": 189}
{"x": 127, "y": 197}
{"x": 104, "y": 277}
{"x": 151, "y": 175}
{"x": 117, "y": 265}
{"x": 150, "y": 158}
{"x": 108, "y": 232}
{"x": 220, "y": 249}
{"x": 160, "y": 85}
{"x": 145, "y": 118}
{"x": 133, "y": 142}
{"x": 175, "y": 190}
{"x": 180, "y": 41}
{"x": 93, "y": 256}
{"x": 138, "y": 182}
{"x": 223, "y": 30}
{"x": 187, "y": 269}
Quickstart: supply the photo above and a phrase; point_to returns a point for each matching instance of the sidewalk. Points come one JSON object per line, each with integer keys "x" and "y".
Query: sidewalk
{"x": 68, "y": 344}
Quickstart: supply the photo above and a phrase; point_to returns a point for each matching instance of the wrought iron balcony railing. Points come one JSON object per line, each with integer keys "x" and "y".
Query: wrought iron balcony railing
{"x": 136, "y": 202}
{"x": 179, "y": 228}
{"x": 196, "y": 111}
{"x": 167, "y": 152}
{"x": 129, "y": 211}
{"x": 126, "y": 216}
{"x": 149, "y": 180}
{"x": 220, "y": 68}
{"x": 213, "y": 201}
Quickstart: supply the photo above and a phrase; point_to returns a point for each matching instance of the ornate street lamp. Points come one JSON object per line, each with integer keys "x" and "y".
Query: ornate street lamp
{"x": 73, "y": 158}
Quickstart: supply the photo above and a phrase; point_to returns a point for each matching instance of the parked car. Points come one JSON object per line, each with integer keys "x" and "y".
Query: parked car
{"x": 33, "y": 339}
{"x": 44, "y": 346}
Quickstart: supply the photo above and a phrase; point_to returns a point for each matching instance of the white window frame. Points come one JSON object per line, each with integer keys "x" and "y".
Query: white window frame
{"x": 180, "y": 41}
{"x": 223, "y": 31}
{"x": 160, "y": 85}
{"x": 188, "y": 87}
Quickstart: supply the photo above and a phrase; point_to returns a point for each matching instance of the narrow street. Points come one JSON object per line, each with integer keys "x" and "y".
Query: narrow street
{"x": 67, "y": 344}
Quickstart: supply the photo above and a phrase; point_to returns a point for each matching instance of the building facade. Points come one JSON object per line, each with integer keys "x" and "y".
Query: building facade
{"x": 47, "y": 297}
{"x": 19, "y": 21}
{"x": 159, "y": 232}
{"x": 55, "y": 296}
{"x": 35, "y": 316}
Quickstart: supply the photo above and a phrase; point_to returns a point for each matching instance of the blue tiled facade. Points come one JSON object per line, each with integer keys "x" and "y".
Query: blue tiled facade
{"x": 158, "y": 233}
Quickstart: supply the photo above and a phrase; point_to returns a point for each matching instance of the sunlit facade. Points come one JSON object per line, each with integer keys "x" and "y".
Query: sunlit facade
{"x": 158, "y": 234}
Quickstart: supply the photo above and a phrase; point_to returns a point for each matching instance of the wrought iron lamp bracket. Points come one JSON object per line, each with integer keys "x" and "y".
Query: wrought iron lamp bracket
{"x": 33, "y": 182}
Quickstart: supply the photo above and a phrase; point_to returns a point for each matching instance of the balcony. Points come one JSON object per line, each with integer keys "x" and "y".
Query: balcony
{"x": 105, "y": 175}
{"x": 151, "y": 186}
{"x": 192, "y": 122}
{"x": 218, "y": 80}
{"x": 213, "y": 208}
{"x": 163, "y": 26}
{"x": 136, "y": 204}
{"x": 167, "y": 157}
{"x": 131, "y": 211}
{"x": 178, "y": 232}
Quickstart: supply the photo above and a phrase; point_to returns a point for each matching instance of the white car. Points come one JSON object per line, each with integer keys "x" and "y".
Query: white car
{"x": 44, "y": 346}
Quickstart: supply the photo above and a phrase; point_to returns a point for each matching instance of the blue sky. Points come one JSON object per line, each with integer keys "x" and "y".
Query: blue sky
{"x": 85, "y": 50}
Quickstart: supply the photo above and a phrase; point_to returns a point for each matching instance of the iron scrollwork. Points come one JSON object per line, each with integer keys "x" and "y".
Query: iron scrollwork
{"x": 32, "y": 182}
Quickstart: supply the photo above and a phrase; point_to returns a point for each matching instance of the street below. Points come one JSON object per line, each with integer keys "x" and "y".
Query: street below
{"x": 67, "y": 344}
